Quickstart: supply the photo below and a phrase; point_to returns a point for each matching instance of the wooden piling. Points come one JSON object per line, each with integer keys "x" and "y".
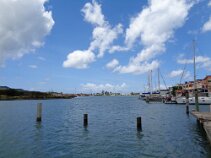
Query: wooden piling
{"x": 39, "y": 112}
{"x": 139, "y": 124}
{"x": 85, "y": 120}
{"x": 187, "y": 102}
{"x": 147, "y": 99}
{"x": 210, "y": 108}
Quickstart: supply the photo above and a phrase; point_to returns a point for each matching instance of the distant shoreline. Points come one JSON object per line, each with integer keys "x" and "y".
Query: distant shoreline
{"x": 7, "y": 93}
{"x": 53, "y": 98}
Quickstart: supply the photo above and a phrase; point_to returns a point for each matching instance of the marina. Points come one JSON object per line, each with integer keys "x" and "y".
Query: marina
{"x": 105, "y": 79}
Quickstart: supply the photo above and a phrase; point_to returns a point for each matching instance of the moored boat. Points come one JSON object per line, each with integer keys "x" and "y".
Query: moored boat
{"x": 201, "y": 100}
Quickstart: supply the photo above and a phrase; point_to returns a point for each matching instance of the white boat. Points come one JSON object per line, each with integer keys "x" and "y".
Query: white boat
{"x": 201, "y": 100}
{"x": 197, "y": 98}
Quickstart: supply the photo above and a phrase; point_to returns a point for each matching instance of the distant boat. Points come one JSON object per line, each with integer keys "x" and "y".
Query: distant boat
{"x": 201, "y": 100}
{"x": 153, "y": 96}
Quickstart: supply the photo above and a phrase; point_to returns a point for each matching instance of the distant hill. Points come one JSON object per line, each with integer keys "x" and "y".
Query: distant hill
{"x": 7, "y": 93}
{"x": 4, "y": 88}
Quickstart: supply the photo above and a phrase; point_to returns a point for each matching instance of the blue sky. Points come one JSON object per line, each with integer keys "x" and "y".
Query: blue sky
{"x": 87, "y": 46}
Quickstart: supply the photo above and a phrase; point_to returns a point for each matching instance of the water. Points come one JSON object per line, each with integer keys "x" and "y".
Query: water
{"x": 167, "y": 130}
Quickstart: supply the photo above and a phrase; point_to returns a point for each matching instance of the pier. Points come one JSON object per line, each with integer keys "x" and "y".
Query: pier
{"x": 204, "y": 118}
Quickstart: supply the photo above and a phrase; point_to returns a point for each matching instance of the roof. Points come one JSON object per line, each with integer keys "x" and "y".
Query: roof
{"x": 208, "y": 76}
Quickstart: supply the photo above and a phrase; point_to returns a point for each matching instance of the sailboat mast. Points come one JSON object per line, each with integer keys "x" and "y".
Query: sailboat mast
{"x": 151, "y": 82}
{"x": 149, "y": 86}
{"x": 158, "y": 79}
{"x": 195, "y": 87}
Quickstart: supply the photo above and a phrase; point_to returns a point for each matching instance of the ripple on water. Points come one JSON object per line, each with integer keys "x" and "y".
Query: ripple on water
{"x": 167, "y": 131}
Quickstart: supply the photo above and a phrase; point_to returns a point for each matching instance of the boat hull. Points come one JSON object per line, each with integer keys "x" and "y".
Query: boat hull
{"x": 202, "y": 100}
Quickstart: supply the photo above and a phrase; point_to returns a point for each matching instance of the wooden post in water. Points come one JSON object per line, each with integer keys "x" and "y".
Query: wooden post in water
{"x": 39, "y": 112}
{"x": 85, "y": 120}
{"x": 139, "y": 124}
{"x": 210, "y": 107}
{"x": 187, "y": 102}
{"x": 147, "y": 99}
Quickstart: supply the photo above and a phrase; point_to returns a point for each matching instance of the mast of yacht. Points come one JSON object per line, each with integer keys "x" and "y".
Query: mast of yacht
{"x": 149, "y": 85}
{"x": 195, "y": 87}
{"x": 151, "y": 82}
{"x": 158, "y": 80}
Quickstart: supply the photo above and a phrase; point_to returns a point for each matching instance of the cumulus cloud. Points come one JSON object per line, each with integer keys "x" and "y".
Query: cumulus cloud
{"x": 93, "y": 13}
{"x": 24, "y": 24}
{"x": 106, "y": 87}
{"x": 202, "y": 61}
{"x": 199, "y": 59}
{"x": 209, "y": 4}
{"x": 79, "y": 59}
{"x": 156, "y": 23}
{"x": 103, "y": 37}
{"x": 179, "y": 73}
{"x": 103, "y": 33}
{"x": 112, "y": 64}
{"x": 153, "y": 26}
{"x": 137, "y": 68}
{"x": 117, "y": 48}
{"x": 207, "y": 26}
{"x": 175, "y": 73}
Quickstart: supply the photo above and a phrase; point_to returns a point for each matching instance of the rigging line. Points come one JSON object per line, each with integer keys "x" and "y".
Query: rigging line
{"x": 183, "y": 72}
{"x": 163, "y": 80}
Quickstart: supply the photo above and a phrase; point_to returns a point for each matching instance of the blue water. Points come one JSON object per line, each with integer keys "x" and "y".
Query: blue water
{"x": 167, "y": 130}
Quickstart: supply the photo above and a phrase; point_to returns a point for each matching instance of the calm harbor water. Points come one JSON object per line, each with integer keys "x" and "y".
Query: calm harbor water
{"x": 167, "y": 130}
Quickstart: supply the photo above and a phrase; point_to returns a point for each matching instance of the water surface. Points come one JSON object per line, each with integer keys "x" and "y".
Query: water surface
{"x": 167, "y": 130}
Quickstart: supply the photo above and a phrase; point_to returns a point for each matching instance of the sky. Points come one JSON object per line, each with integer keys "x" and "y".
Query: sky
{"x": 93, "y": 45}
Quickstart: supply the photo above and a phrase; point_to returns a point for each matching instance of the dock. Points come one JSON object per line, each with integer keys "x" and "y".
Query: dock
{"x": 204, "y": 119}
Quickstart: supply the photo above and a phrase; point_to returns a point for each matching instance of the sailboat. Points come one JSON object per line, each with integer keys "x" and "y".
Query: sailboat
{"x": 156, "y": 95}
{"x": 204, "y": 97}
{"x": 147, "y": 93}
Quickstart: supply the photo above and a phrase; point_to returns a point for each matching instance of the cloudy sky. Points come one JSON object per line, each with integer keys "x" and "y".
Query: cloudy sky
{"x": 87, "y": 46}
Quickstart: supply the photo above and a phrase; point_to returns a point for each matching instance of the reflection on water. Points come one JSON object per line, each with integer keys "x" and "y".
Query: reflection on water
{"x": 167, "y": 130}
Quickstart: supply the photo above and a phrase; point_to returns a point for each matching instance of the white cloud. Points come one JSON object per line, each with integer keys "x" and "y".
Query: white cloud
{"x": 103, "y": 37}
{"x": 79, "y": 59}
{"x": 156, "y": 23}
{"x": 93, "y": 13}
{"x": 24, "y": 24}
{"x": 179, "y": 73}
{"x": 117, "y": 48}
{"x": 41, "y": 58}
{"x": 103, "y": 34}
{"x": 33, "y": 66}
{"x": 175, "y": 73}
{"x": 202, "y": 61}
{"x": 137, "y": 68}
{"x": 106, "y": 87}
{"x": 153, "y": 26}
{"x": 199, "y": 59}
{"x": 112, "y": 64}
{"x": 209, "y": 4}
{"x": 207, "y": 26}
